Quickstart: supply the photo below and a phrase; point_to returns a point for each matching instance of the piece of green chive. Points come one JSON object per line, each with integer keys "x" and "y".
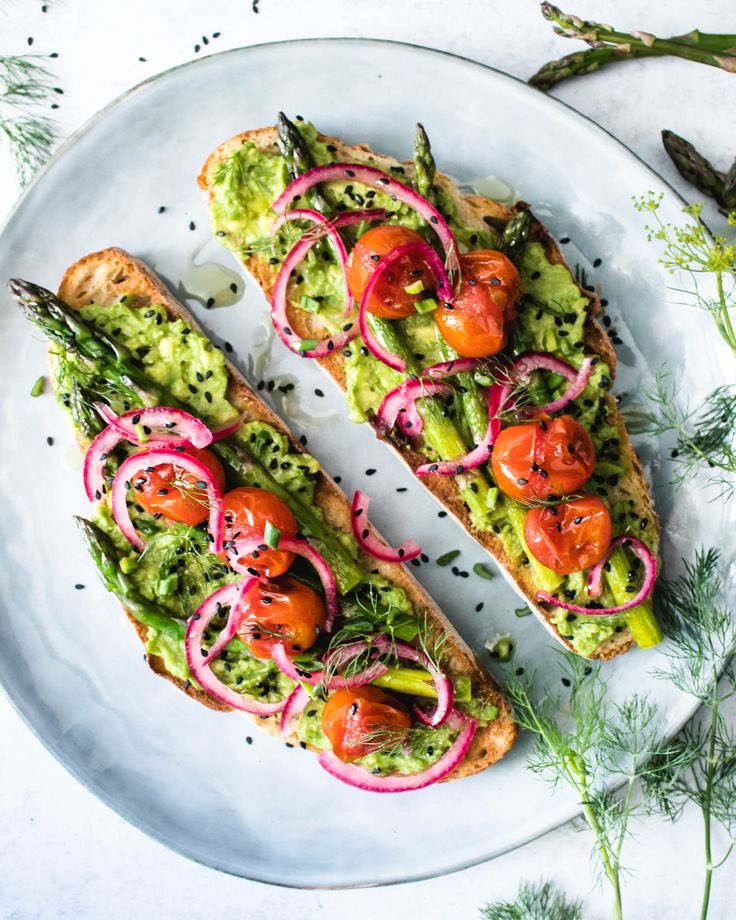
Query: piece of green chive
{"x": 307, "y": 344}
{"x": 272, "y": 535}
{"x": 522, "y": 612}
{"x": 446, "y": 558}
{"x": 480, "y": 570}
{"x": 38, "y": 386}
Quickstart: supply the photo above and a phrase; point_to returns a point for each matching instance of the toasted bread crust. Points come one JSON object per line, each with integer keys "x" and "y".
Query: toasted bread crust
{"x": 475, "y": 212}
{"x": 102, "y": 277}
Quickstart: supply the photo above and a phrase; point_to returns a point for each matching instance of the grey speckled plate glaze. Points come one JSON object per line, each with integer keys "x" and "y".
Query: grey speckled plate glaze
{"x": 69, "y": 661}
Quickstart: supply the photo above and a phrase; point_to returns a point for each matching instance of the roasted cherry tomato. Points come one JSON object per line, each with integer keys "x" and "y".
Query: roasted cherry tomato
{"x": 281, "y": 610}
{"x": 389, "y": 299}
{"x": 247, "y": 511}
{"x": 358, "y": 720}
{"x": 174, "y": 493}
{"x": 571, "y": 536}
{"x": 477, "y": 322}
{"x": 540, "y": 459}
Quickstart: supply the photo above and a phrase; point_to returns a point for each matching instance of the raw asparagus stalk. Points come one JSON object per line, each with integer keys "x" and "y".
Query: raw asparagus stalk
{"x": 105, "y": 557}
{"x": 440, "y": 431}
{"x": 609, "y": 45}
{"x": 425, "y": 167}
{"x": 700, "y": 172}
{"x": 298, "y": 158}
{"x": 114, "y": 364}
{"x": 640, "y": 620}
{"x": 515, "y": 234}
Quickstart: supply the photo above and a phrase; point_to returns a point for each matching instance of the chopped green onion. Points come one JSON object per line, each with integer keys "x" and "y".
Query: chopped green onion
{"x": 483, "y": 379}
{"x": 272, "y": 535}
{"x": 480, "y": 570}
{"x": 428, "y": 305}
{"x": 501, "y": 648}
{"x": 140, "y": 432}
{"x": 446, "y": 558}
{"x": 415, "y": 288}
{"x": 463, "y": 689}
{"x": 37, "y": 387}
{"x": 307, "y": 344}
{"x": 310, "y": 304}
{"x": 492, "y": 497}
{"x": 127, "y": 564}
{"x": 167, "y": 585}
{"x": 523, "y": 612}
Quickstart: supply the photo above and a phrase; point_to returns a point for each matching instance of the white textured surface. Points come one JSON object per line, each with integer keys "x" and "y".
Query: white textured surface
{"x": 63, "y": 854}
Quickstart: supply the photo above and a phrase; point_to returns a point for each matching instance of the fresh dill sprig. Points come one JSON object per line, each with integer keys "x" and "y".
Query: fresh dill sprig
{"x": 25, "y": 87}
{"x": 540, "y": 901}
{"x": 699, "y": 764}
{"x": 706, "y": 436}
{"x": 691, "y": 248}
{"x": 585, "y": 741}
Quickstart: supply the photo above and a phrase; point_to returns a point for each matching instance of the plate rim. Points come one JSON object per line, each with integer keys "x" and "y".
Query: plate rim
{"x": 65, "y": 148}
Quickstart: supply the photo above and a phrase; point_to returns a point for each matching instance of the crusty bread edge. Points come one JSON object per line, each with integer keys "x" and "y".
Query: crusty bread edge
{"x": 102, "y": 277}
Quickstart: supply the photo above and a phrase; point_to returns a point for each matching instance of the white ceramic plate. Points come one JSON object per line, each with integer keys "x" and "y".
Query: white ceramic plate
{"x": 70, "y": 662}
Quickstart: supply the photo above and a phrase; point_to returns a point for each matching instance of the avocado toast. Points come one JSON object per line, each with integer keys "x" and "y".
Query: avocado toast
{"x": 549, "y": 318}
{"x": 122, "y": 350}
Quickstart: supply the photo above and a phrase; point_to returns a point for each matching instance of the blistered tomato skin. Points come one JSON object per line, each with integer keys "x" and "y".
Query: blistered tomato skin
{"x": 174, "y": 493}
{"x": 477, "y": 323}
{"x": 281, "y": 610}
{"x": 246, "y": 512}
{"x": 569, "y": 537}
{"x": 547, "y": 458}
{"x": 358, "y": 720}
{"x": 390, "y": 298}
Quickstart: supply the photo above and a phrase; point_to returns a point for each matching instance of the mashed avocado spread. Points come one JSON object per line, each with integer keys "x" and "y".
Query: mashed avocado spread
{"x": 552, "y": 316}
{"x": 177, "y": 572}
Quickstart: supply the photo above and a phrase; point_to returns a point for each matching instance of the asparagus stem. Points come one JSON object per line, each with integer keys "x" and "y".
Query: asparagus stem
{"x": 475, "y": 414}
{"x": 105, "y": 557}
{"x": 640, "y": 620}
{"x": 699, "y": 171}
{"x": 515, "y": 234}
{"x": 609, "y": 45}
{"x": 425, "y": 167}
{"x": 298, "y": 158}
{"x": 115, "y": 365}
{"x": 440, "y": 431}
{"x": 407, "y": 680}
{"x": 544, "y": 578}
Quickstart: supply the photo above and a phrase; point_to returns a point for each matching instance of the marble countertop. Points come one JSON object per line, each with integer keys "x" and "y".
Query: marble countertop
{"x": 65, "y": 855}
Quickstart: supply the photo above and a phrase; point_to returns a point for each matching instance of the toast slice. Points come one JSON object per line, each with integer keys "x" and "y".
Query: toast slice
{"x": 103, "y": 277}
{"x": 476, "y": 213}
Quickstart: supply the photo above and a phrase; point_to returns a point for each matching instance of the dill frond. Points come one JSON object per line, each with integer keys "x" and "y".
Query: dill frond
{"x": 535, "y": 901}
{"x": 25, "y": 88}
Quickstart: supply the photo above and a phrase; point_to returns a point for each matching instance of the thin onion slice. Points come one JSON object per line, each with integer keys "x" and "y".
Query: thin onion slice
{"x": 160, "y": 421}
{"x": 595, "y": 587}
{"x": 374, "y": 178}
{"x": 369, "y": 542}
{"x": 444, "y": 291}
{"x": 286, "y": 665}
{"x": 155, "y": 457}
{"x": 292, "y": 711}
{"x": 442, "y": 683}
{"x": 525, "y": 365}
{"x": 450, "y": 368}
{"x": 399, "y": 405}
{"x": 255, "y": 544}
{"x": 160, "y": 424}
{"x": 199, "y": 662}
{"x": 498, "y": 396}
{"x": 354, "y": 775}
{"x": 279, "y": 301}
{"x": 337, "y": 659}
{"x": 232, "y": 596}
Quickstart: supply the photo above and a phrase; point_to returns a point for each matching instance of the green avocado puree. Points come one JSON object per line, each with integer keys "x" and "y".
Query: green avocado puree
{"x": 176, "y": 570}
{"x": 552, "y": 315}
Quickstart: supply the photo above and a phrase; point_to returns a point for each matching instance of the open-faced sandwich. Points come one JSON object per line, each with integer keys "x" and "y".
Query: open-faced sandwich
{"x": 252, "y": 582}
{"x": 457, "y": 330}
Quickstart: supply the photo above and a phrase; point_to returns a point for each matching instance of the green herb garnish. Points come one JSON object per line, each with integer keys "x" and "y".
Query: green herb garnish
{"x": 482, "y": 572}
{"x": 448, "y": 557}
{"x": 272, "y": 535}
{"x": 38, "y": 386}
